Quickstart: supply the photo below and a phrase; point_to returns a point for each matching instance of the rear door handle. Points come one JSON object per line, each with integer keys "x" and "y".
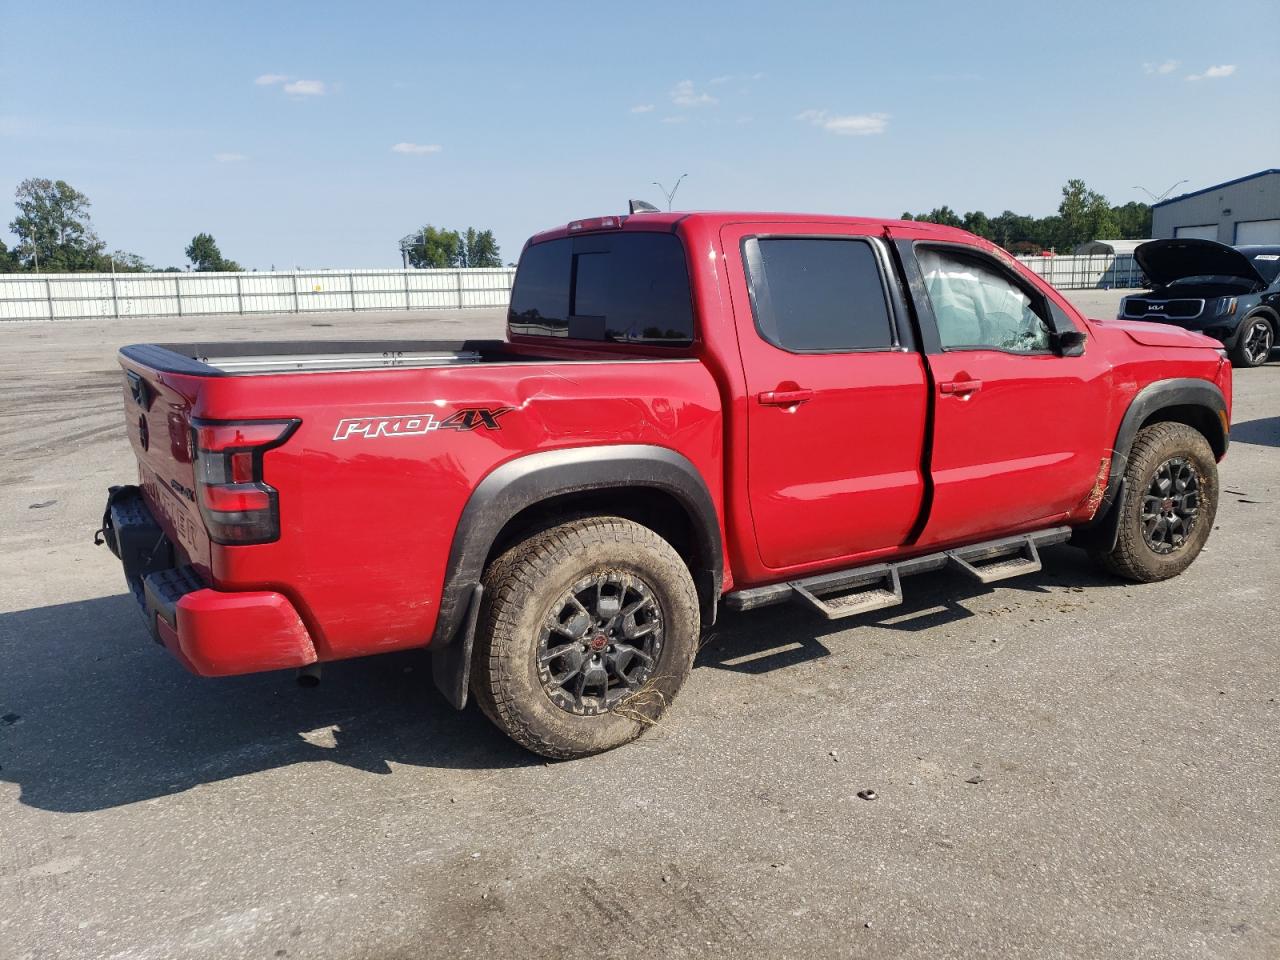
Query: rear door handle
{"x": 785, "y": 398}
{"x": 960, "y": 388}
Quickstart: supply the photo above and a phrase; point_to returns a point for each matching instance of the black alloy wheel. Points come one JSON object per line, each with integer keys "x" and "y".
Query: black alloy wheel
{"x": 1171, "y": 505}
{"x": 601, "y": 643}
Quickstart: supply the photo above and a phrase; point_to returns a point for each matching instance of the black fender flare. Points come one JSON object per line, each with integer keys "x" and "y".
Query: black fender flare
{"x": 1178, "y": 392}
{"x": 533, "y": 478}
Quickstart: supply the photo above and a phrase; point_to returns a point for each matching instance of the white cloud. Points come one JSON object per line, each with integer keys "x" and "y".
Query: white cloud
{"x": 642, "y": 108}
{"x": 1168, "y": 66}
{"x": 229, "y": 157}
{"x": 416, "y": 148}
{"x": 1213, "y": 73}
{"x": 684, "y": 94}
{"x": 719, "y": 80}
{"x": 847, "y": 125}
{"x": 305, "y": 88}
{"x": 676, "y": 119}
{"x": 270, "y": 79}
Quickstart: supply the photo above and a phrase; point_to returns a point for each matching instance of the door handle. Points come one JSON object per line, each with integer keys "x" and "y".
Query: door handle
{"x": 960, "y": 388}
{"x": 785, "y": 398}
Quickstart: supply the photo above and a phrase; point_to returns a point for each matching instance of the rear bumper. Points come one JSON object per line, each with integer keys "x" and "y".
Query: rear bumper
{"x": 213, "y": 633}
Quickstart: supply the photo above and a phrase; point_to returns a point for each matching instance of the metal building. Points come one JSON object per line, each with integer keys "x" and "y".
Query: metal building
{"x": 1246, "y": 210}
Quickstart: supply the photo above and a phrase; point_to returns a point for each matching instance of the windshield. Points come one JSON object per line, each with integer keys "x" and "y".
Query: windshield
{"x": 1267, "y": 264}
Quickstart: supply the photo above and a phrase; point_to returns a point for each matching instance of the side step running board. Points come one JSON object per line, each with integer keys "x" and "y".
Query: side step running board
{"x": 989, "y": 565}
{"x": 845, "y": 593}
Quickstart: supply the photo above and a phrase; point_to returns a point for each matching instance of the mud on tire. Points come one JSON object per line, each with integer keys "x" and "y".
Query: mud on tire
{"x": 1169, "y": 504}
{"x": 533, "y": 593}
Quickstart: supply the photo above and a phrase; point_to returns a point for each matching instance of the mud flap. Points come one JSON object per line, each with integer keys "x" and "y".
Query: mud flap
{"x": 451, "y": 664}
{"x": 1103, "y": 531}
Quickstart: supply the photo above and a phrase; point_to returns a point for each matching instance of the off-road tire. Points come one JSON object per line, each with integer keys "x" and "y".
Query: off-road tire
{"x": 521, "y": 588}
{"x": 1241, "y": 355}
{"x": 1133, "y": 558}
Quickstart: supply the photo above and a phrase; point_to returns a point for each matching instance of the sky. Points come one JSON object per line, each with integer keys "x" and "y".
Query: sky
{"x": 318, "y": 134}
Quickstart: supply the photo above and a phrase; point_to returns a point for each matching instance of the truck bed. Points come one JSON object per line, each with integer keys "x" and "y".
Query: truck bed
{"x": 300, "y": 356}
{"x": 367, "y": 510}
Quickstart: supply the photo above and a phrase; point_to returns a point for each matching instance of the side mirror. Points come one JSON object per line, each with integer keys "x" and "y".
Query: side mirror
{"x": 1069, "y": 343}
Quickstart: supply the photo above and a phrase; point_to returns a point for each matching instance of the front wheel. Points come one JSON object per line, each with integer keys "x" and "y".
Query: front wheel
{"x": 1253, "y": 348}
{"x": 1169, "y": 504}
{"x": 587, "y": 631}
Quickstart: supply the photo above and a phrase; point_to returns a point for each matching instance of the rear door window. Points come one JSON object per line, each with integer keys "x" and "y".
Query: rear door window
{"x": 616, "y": 288}
{"x": 818, "y": 294}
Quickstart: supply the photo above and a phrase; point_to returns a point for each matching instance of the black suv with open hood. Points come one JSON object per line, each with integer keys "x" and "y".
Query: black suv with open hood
{"x": 1230, "y": 293}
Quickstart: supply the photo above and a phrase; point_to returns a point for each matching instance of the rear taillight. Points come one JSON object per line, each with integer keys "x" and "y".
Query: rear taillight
{"x": 236, "y": 503}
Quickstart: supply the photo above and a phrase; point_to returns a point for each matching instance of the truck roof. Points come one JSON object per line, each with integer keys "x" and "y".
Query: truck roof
{"x": 715, "y": 219}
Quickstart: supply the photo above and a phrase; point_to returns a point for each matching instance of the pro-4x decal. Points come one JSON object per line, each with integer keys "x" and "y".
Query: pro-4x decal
{"x": 416, "y": 424}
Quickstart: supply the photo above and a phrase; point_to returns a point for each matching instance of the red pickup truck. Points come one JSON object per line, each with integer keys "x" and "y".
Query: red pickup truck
{"x": 690, "y": 411}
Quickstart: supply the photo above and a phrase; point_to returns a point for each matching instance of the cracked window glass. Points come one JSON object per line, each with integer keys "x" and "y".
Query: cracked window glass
{"x": 978, "y": 307}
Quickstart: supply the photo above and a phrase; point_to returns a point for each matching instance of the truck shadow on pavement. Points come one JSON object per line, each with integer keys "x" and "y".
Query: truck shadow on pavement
{"x": 1264, "y": 432}
{"x": 93, "y": 715}
{"x": 789, "y": 634}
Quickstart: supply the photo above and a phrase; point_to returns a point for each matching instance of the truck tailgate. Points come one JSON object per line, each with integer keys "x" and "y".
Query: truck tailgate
{"x": 158, "y": 419}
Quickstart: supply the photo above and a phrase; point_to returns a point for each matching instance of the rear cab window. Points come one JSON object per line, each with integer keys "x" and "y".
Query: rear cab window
{"x": 624, "y": 287}
{"x": 818, "y": 294}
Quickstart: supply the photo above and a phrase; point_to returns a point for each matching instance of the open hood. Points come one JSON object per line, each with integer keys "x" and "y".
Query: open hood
{"x": 1164, "y": 261}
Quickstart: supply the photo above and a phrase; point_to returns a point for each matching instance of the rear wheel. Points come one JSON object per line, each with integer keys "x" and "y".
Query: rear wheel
{"x": 1169, "y": 504}
{"x": 1257, "y": 338}
{"x": 587, "y": 632}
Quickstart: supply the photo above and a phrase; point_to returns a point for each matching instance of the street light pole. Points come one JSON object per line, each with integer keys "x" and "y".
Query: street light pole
{"x": 672, "y": 195}
{"x": 1154, "y": 198}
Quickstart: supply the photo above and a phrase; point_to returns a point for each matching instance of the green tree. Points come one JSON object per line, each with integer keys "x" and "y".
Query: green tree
{"x": 1132, "y": 220}
{"x": 433, "y": 247}
{"x": 466, "y": 244}
{"x": 1047, "y": 232}
{"x": 480, "y": 249}
{"x": 8, "y": 260}
{"x": 943, "y": 215}
{"x": 1010, "y": 228}
{"x": 205, "y": 256}
{"x": 1084, "y": 215}
{"x": 125, "y": 262}
{"x": 53, "y": 226}
{"x": 979, "y": 223}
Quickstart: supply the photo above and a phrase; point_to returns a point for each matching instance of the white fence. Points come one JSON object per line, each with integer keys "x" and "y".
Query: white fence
{"x": 67, "y": 296}
{"x": 1100, "y": 271}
